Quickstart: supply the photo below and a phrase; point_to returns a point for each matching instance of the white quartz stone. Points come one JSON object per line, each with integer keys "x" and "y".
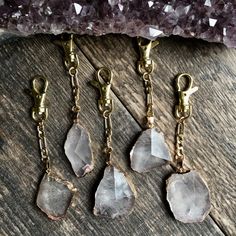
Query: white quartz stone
{"x": 114, "y": 196}
{"x": 78, "y": 150}
{"x": 149, "y": 151}
{"x": 53, "y": 197}
{"x": 188, "y": 197}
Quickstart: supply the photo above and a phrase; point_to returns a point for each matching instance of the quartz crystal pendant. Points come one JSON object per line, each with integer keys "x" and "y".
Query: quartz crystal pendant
{"x": 188, "y": 197}
{"x": 78, "y": 150}
{"x": 149, "y": 151}
{"x": 114, "y": 196}
{"x": 54, "y": 197}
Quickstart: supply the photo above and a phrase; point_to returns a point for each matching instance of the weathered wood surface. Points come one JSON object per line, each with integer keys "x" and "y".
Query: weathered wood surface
{"x": 210, "y": 146}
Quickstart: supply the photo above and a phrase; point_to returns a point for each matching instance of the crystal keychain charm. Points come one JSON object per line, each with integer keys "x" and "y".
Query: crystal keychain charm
{"x": 150, "y": 149}
{"x": 54, "y": 194}
{"x": 187, "y": 193}
{"x": 115, "y": 195}
{"x": 77, "y": 145}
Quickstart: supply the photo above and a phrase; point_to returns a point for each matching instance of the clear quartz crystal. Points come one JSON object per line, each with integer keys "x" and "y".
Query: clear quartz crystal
{"x": 114, "y": 196}
{"x": 78, "y": 150}
{"x": 188, "y": 197}
{"x": 54, "y": 197}
{"x": 149, "y": 151}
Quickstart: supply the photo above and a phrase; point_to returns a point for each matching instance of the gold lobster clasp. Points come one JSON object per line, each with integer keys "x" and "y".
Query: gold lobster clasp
{"x": 105, "y": 102}
{"x": 39, "y": 88}
{"x": 184, "y": 108}
{"x": 71, "y": 58}
{"x": 145, "y": 64}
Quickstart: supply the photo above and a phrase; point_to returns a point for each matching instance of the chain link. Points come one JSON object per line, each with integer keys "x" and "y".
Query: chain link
{"x": 179, "y": 149}
{"x": 102, "y": 82}
{"x": 146, "y": 75}
{"x": 145, "y": 67}
{"x": 71, "y": 62}
{"x": 75, "y": 92}
{"x": 43, "y": 146}
{"x": 183, "y": 110}
{"x": 39, "y": 114}
{"x": 108, "y": 134}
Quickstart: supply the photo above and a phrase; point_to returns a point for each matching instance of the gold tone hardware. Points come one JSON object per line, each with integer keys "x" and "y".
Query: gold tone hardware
{"x": 43, "y": 146}
{"x": 145, "y": 68}
{"x": 104, "y": 103}
{"x": 71, "y": 61}
{"x": 39, "y": 88}
{"x": 69, "y": 47}
{"x": 179, "y": 149}
{"x": 39, "y": 115}
{"x": 182, "y": 111}
{"x": 149, "y": 100}
{"x": 145, "y": 64}
{"x": 184, "y": 108}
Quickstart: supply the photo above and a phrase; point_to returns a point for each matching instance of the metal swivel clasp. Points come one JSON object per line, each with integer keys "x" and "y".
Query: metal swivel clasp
{"x": 39, "y": 88}
{"x": 184, "y": 108}
{"x": 105, "y": 102}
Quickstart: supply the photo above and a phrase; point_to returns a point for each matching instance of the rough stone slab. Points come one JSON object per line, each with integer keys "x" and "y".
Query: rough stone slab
{"x": 188, "y": 197}
{"x": 114, "y": 196}
{"x": 78, "y": 150}
{"x": 149, "y": 151}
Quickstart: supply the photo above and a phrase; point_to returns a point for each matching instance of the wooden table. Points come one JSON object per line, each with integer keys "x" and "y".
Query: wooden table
{"x": 210, "y": 140}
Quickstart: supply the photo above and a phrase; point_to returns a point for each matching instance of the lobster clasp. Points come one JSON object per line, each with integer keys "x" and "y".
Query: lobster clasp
{"x": 145, "y": 64}
{"x": 39, "y": 88}
{"x": 105, "y": 102}
{"x": 69, "y": 47}
{"x": 184, "y": 109}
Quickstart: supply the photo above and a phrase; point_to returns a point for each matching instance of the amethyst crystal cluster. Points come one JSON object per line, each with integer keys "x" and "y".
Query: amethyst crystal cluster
{"x": 211, "y": 20}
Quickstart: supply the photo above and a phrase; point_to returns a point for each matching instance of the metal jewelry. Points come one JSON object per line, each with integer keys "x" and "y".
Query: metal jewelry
{"x": 150, "y": 150}
{"x": 54, "y": 194}
{"x": 115, "y": 195}
{"x": 187, "y": 193}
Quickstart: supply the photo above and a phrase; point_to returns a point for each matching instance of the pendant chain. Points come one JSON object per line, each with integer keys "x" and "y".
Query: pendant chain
{"x": 179, "y": 148}
{"x": 103, "y": 82}
{"x": 39, "y": 115}
{"x": 72, "y": 64}
{"x": 71, "y": 61}
{"x": 145, "y": 68}
{"x": 75, "y": 92}
{"x": 183, "y": 111}
{"x": 43, "y": 145}
{"x": 108, "y": 134}
{"x": 149, "y": 99}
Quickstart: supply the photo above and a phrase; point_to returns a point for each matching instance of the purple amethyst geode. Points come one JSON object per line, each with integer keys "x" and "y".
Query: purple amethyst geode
{"x": 211, "y": 20}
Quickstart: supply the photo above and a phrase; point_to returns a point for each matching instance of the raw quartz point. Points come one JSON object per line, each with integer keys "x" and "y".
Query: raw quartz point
{"x": 149, "y": 151}
{"x": 54, "y": 197}
{"x": 78, "y": 150}
{"x": 114, "y": 196}
{"x": 188, "y": 197}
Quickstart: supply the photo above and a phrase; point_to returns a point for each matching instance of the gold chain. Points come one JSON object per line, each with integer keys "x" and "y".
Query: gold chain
{"x": 145, "y": 68}
{"x": 43, "y": 146}
{"x": 149, "y": 99}
{"x": 105, "y": 105}
{"x": 183, "y": 111}
{"x": 108, "y": 134}
{"x": 75, "y": 93}
{"x": 71, "y": 62}
{"x": 179, "y": 148}
{"x": 40, "y": 114}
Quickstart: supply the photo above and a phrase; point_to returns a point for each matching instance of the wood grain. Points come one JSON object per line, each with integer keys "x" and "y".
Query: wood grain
{"x": 21, "y": 168}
